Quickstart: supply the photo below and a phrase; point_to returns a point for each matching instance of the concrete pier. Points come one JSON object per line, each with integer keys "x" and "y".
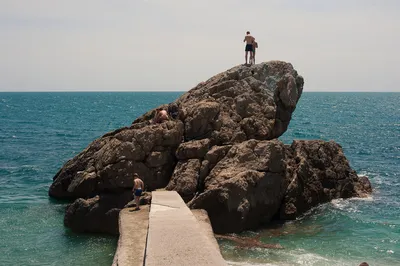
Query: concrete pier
{"x": 174, "y": 235}
{"x": 133, "y": 228}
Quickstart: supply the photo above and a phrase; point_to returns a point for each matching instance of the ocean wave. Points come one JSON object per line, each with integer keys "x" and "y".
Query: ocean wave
{"x": 311, "y": 259}
{"x": 233, "y": 263}
{"x": 347, "y": 204}
{"x": 337, "y": 207}
{"x": 365, "y": 173}
{"x": 297, "y": 257}
{"x": 369, "y": 198}
{"x": 344, "y": 205}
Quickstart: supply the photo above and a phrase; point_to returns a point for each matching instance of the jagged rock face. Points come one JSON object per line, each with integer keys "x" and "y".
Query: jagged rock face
{"x": 185, "y": 178}
{"x": 100, "y": 213}
{"x": 96, "y": 215}
{"x": 259, "y": 180}
{"x": 239, "y": 104}
{"x": 220, "y": 154}
{"x": 108, "y": 163}
{"x": 246, "y": 187}
{"x": 318, "y": 172}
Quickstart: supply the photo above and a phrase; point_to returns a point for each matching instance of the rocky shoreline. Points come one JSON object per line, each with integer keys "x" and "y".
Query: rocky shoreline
{"x": 221, "y": 154}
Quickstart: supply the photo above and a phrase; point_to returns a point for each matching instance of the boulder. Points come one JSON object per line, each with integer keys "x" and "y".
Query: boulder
{"x": 96, "y": 215}
{"x": 242, "y": 103}
{"x": 108, "y": 163}
{"x": 362, "y": 186}
{"x": 219, "y": 151}
{"x": 318, "y": 172}
{"x": 185, "y": 178}
{"x": 246, "y": 187}
{"x": 193, "y": 149}
{"x": 260, "y": 180}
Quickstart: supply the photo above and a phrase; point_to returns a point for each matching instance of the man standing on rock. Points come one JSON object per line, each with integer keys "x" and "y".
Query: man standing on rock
{"x": 138, "y": 187}
{"x": 249, "y": 46}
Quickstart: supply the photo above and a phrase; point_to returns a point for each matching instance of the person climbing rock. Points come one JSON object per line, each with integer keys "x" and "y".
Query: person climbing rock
{"x": 160, "y": 116}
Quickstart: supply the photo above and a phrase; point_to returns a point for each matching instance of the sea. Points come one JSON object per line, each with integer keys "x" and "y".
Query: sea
{"x": 40, "y": 131}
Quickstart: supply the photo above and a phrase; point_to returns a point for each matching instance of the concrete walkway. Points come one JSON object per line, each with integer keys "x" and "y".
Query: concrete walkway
{"x": 133, "y": 227}
{"x": 175, "y": 237}
{"x": 170, "y": 234}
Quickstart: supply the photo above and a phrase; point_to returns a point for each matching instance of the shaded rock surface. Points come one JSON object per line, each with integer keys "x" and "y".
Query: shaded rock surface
{"x": 318, "y": 172}
{"x": 258, "y": 181}
{"x": 185, "y": 178}
{"x": 220, "y": 153}
{"x": 246, "y": 187}
{"x": 96, "y": 215}
{"x": 108, "y": 163}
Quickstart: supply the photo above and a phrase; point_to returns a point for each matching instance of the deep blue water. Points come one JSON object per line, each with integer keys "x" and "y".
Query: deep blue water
{"x": 41, "y": 131}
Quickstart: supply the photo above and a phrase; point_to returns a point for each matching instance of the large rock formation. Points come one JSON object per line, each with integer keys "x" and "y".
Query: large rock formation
{"x": 317, "y": 172}
{"x": 246, "y": 187}
{"x": 261, "y": 180}
{"x": 219, "y": 153}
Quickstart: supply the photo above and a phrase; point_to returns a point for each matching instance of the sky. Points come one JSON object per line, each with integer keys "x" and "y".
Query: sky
{"x": 172, "y": 45}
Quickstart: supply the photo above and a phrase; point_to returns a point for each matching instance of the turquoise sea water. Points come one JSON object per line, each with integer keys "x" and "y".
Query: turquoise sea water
{"x": 40, "y": 131}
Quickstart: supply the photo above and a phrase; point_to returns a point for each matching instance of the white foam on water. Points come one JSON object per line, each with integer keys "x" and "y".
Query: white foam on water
{"x": 344, "y": 205}
{"x": 365, "y": 173}
{"x": 297, "y": 257}
{"x": 310, "y": 259}
{"x": 369, "y": 198}
{"x": 234, "y": 263}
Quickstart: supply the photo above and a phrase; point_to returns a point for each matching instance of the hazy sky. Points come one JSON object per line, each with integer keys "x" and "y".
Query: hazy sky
{"x": 344, "y": 45}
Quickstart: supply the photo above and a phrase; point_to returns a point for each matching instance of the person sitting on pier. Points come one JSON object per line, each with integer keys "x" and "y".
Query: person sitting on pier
{"x": 138, "y": 187}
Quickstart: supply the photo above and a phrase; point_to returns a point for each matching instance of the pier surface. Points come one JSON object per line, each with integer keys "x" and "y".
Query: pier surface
{"x": 174, "y": 235}
{"x": 133, "y": 227}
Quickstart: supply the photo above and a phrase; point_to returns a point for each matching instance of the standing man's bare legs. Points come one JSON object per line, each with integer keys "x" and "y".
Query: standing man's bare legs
{"x": 137, "y": 201}
{"x": 245, "y": 57}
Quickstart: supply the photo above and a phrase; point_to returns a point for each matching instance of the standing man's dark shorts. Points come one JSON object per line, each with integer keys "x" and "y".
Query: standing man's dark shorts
{"x": 138, "y": 192}
{"x": 249, "y": 48}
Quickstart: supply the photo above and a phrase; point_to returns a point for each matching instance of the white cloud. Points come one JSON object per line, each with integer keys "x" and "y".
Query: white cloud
{"x": 174, "y": 44}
